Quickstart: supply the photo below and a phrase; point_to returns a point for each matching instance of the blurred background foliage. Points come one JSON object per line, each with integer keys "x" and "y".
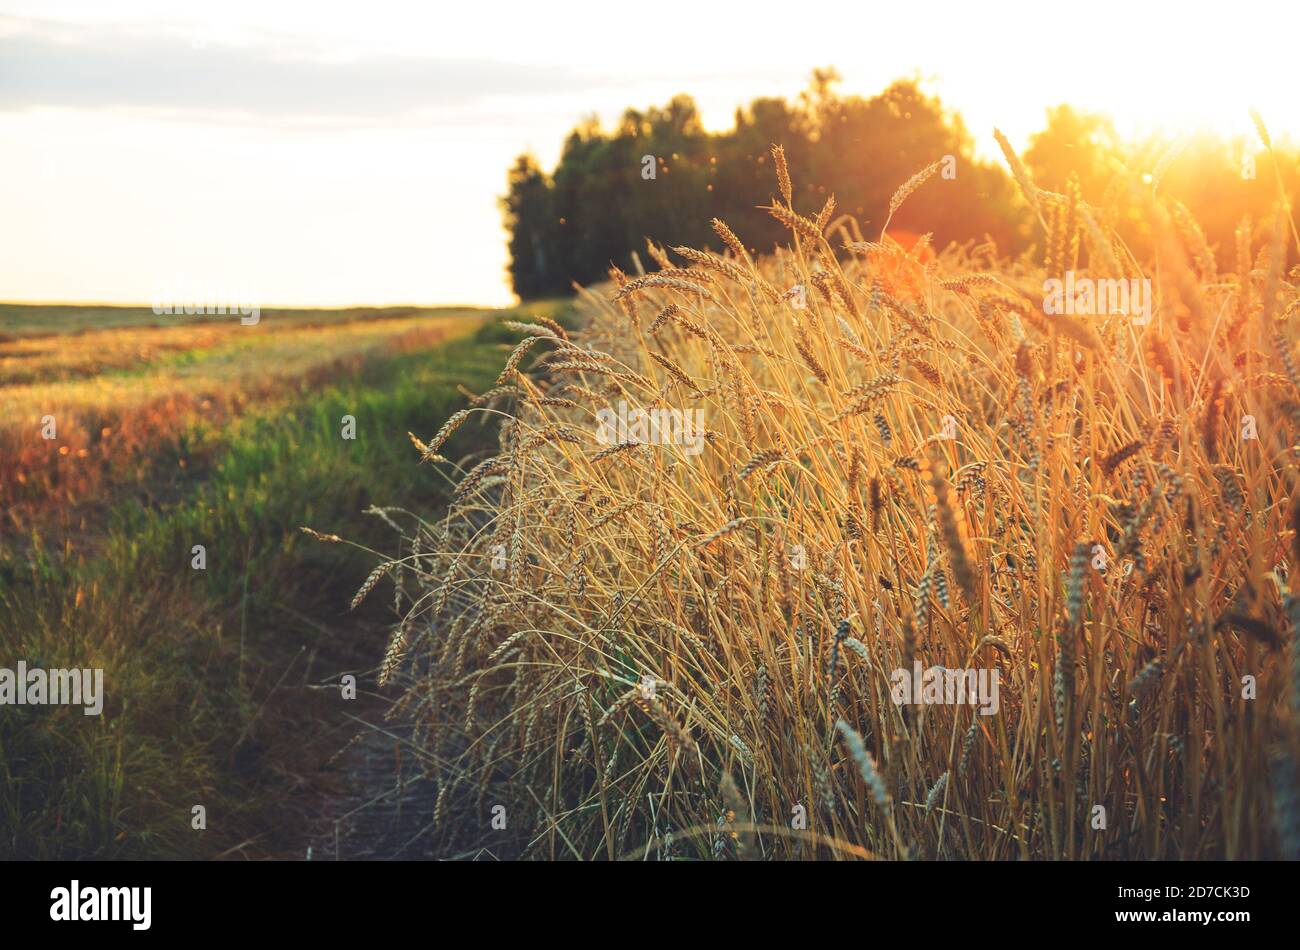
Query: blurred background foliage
{"x": 596, "y": 209}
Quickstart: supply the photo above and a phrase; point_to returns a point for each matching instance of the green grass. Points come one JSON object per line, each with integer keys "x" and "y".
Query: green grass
{"x": 191, "y": 658}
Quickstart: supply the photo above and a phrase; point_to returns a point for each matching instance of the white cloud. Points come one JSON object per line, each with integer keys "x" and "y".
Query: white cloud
{"x": 45, "y": 64}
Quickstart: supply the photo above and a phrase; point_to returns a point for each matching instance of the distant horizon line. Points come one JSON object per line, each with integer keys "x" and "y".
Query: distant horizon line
{"x": 103, "y": 305}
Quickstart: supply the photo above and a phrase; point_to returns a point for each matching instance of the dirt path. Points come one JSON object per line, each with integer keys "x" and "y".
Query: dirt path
{"x": 333, "y": 774}
{"x": 384, "y": 808}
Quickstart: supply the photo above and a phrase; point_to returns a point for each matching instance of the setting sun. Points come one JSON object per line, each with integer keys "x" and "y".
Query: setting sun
{"x": 305, "y": 157}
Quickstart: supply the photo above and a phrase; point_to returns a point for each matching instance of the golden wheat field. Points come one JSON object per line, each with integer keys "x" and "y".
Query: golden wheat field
{"x": 664, "y": 617}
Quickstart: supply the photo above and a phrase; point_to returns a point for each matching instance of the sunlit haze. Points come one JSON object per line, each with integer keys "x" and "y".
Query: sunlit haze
{"x": 317, "y": 157}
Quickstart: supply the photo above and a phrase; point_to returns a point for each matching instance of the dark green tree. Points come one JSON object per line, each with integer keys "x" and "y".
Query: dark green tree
{"x": 529, "y": 213}
{"x": 658, "y": 174}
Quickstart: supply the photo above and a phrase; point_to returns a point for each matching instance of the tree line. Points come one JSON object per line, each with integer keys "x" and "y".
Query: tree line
{"x": 659, "y": 174}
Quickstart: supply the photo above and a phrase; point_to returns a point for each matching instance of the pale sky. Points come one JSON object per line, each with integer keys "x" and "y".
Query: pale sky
{"x": 330, "y": 154}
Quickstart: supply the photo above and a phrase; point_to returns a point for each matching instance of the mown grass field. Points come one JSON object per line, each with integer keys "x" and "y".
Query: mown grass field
{"x": 20, "y": 320}
{"x": 221, "y": 684}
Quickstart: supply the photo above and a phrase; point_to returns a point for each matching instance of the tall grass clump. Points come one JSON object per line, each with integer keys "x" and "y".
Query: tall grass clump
{"x": 640, "y": 651}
